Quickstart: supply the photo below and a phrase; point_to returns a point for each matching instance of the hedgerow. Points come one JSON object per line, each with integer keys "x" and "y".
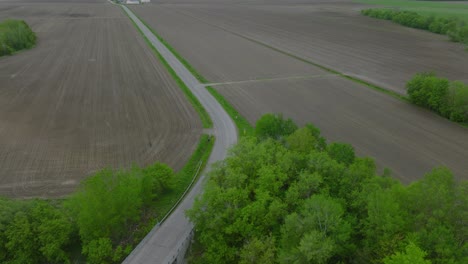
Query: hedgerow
{"x": 455, "y": 28}
{"x": 15, "y": 35}
{"x": 449, "y": 99}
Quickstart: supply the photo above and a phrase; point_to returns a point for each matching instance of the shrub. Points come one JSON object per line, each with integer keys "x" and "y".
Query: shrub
{"x": 450, "y": 99}
{"x": 458, "y": 101}
{"x": 459, "y": 34}
{"x": 109, "y": 203}
{"x": 15, "y": 35}
{"x": 274, "y": 126}
{"x": 456, "y": 29}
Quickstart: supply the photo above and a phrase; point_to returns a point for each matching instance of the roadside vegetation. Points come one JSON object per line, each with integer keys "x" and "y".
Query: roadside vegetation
{"x": 449, "y": 99}
{"x": 440, "y": 8}
{"x": 15, "y": 35}
{"x": 286, "y": 196}
{"x": 456, "y": 29}
{"x": 109, "y": 214}
{"x": 243, "y": 126}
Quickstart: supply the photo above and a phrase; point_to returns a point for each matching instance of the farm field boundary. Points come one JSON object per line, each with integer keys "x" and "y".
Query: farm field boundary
{"x": 327, "y": 69}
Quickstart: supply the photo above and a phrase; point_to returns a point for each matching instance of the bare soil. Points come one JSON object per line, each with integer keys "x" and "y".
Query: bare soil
{"x": 408, "y": 140}
{"x": 223, "y": 41}
{"x": 219, "y": 55}
{"x": 333, "y": 34}
{"x": 90, "y": 95}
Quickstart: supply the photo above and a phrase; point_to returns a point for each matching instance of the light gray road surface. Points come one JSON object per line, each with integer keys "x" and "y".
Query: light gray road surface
{"x": 165, "y": 241}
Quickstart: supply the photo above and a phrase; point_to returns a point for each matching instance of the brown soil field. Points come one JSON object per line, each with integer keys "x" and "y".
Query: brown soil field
{"x": 333, "y": 34}
{"x": 90, "y": 95}
{"x": 407, "y": 139}
{"x": 219, "y": 55}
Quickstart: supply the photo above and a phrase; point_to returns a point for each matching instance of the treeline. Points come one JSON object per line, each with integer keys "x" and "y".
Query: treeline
{"x": 455, "y": 28}
{"x": 15, "y": 35}
{"x": 286, "y": 196}
{"x": 449, "y": 99}
{"x": 100, "y": 219}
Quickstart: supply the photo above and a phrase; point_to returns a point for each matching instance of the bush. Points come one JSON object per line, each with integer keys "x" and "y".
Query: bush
{"x": 109, "y": 204}
{"x": 456, "y": 29}
{"x": 458, "y": 101}
{"x": 450, "y": 99}
{"x": 15, "y": 35}
{"x": 274, "y": 126}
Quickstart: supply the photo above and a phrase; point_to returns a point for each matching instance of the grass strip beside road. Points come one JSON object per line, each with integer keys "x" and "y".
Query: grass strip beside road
{"x": 243, "y": 126}
{"x": 204, "y": 116}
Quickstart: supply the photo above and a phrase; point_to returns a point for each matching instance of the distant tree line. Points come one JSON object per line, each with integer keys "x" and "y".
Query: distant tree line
{"x": 449, "y": 99}
{"x": 286, "y": 196}
{"x": 15, "y": 35}
{"x": 455, "y": 28}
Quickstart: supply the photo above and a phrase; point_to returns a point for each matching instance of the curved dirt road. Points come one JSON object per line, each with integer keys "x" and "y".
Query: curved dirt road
{"x": 162, "y": 244}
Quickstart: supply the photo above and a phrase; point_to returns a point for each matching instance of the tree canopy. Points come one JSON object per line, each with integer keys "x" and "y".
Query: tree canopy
{"x": 285, "y": 196}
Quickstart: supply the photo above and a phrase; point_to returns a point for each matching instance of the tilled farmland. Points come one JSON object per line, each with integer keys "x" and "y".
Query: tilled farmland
{"x": 410, "y": 141}
{"x": 90, "y": 95}
{"x": 222, "y": 42}
{"x": 330, "y": 33}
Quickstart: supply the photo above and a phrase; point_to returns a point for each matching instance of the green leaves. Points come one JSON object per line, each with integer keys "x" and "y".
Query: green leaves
{"x": 450, "y": 99}
{"x": 110, "y": 203}
{"x": 316, "y": 234}
{"x": 412, "y": 255}
{"x": 274, "y": 126}
{"x": 36, "y": 233}
{"x": 293, "y": 199}
{"x": 15, "y": 35}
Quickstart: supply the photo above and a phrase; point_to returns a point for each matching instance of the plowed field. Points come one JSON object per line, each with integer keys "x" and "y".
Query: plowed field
{"x": 245, "y": 49}
{"x": 90, "y": 95}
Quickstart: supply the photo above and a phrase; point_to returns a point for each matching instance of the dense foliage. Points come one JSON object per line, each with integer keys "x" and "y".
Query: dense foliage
{"x": 15, "y": 35}
{"x": 286, "y": 196}
{"x": 98, "y": 217}
{"x": 455, "y": 28}
{"x": 102, "y": 221}
{"x": 450, "y": 99}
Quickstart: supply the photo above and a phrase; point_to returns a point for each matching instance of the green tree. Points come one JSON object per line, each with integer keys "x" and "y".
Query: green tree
{"x": 341, "y": 152}
{"x": 258, "y": 251}
{"x": 22, "y": 243}
{"x": 316, "y": 234}
{"x": 53, "y": 230}
{"x": 412, "y": 255}
{"x": 274, "y": 126}
{"x": 99, "y": 251}
{"x": 157, "y": 179}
